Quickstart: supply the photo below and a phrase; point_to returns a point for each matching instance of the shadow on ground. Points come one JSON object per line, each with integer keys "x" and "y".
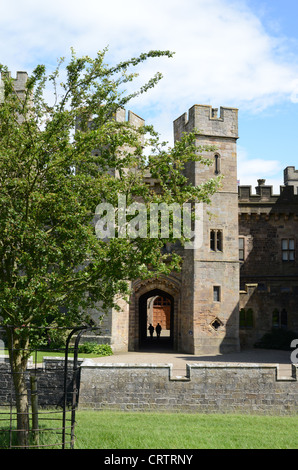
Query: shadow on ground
{"x": 257, "y": 356}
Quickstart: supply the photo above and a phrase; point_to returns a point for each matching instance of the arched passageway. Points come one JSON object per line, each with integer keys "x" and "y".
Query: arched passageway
{"x": 156, "y": 307}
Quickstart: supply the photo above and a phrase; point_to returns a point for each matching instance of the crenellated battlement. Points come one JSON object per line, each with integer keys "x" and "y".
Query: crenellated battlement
{"x": 19, "y": 84}
{"x": 291, "y": 177}
{"x": 131, "y": 117}
{"x": 265, "y": 202}
{"x": 290, "y": 173}
{"x": 264, "y": 193}
{"x": 206, "y": 120}
{"x": 19, "y": 81}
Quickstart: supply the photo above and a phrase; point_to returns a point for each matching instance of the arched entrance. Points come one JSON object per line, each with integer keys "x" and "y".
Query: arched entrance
{"x": 156, "y": 307}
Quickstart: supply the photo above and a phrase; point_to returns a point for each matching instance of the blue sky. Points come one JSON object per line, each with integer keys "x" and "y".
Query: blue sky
{"x": 238, "y": 53}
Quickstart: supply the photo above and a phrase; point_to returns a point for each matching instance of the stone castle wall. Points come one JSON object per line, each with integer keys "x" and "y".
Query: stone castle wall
{"x": 50, "y": 382}
{"x": 268, "y": 282}
{"x": 207, "y": 388}
{"x": 211, "y": 388}
{"x": 263, "y": 220}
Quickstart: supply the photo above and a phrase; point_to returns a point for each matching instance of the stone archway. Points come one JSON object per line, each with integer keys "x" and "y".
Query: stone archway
{"x": 164, "y": 316}
{"x": 144, "y": 294}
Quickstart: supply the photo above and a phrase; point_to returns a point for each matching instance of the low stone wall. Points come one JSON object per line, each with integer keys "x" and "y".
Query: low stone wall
{"x": 207, "y": 388}
{"x": 50, "y": 381}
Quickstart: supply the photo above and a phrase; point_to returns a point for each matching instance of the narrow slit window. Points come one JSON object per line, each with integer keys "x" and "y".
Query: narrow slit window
{"x": 217, "y": 164}
{"x": 219, "y": 240}
{"x": 212, "y": 240}
{"x": 216, "y": 293}
{"x": 241, "y": 249}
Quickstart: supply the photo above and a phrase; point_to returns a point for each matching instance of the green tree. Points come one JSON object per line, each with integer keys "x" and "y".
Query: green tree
{"x": 51, "y": 181}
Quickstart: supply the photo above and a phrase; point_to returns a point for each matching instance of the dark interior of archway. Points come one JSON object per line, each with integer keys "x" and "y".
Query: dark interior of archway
{"x": 156, "y": 307}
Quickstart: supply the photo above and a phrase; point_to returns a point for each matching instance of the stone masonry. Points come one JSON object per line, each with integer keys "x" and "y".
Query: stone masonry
{"x": 242, "y": 280}
{"x": 213, "y": 267}
{"x": 219, "y": 283}
{"x": 209, "y": 388}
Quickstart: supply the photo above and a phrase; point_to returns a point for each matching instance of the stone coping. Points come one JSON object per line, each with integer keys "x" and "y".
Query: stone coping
{"x": 283, "y": 372}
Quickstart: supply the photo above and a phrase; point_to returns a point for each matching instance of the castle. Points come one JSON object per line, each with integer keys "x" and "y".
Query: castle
{"x": 241, "y": 281}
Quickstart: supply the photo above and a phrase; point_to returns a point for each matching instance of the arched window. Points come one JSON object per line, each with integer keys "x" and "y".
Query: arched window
{"x": 216, "y": 242}
{"x": 246, "y": 319}
{"x": 283, "y": 318}
{"x": 279, "y": 319}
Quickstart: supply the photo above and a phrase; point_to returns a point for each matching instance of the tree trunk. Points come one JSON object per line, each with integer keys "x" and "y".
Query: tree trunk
{"x": 34, "y": 406}
{"x": 18, "y": 354}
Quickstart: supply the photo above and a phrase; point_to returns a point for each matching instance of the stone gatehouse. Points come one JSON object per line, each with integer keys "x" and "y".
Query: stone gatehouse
{"x": 242, "y": 280}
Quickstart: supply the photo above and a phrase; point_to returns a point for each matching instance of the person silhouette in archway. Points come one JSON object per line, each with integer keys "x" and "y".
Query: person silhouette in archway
{"x": 151, "y": 330}
{"x": 158, "y": 330}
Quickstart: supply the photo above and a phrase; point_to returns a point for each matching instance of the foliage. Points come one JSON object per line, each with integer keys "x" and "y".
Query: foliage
{"x": 93, "y": 348}
{"x": 59, "y": 158}
{"x": 51, "y": 181}
{"x": 278, "y": 338}
{"x": 47, "y": 438}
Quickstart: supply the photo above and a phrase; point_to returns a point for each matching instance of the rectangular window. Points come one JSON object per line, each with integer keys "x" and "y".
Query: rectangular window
{"x": 288, "y": 249}
{"x": 241, "y": 249}
{"x": 219, "y": 240}
{"x": 216, "y": 242}
{"x": 217, "y": 164}
{"x": 212, "y": 240}
{"x": 216, "y": 293}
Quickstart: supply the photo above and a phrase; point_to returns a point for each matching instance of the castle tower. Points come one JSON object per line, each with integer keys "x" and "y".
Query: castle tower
{"x": 19, "y": 83}
{"x": 210, "y": 275}
{"x": 291, "y": 178}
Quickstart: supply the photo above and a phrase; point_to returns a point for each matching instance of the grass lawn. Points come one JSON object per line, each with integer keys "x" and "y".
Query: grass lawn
{"x": 37, "y": 356}
{"x": 166, "y": 431}
{"x": 124, "y": 430}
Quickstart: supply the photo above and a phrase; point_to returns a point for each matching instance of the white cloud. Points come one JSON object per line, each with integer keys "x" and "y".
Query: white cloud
{"x": 252, "y": 169}
{"x": 294, "y": 95}
{"x": 223, "y": 54}
{"x": 222, "y": 51}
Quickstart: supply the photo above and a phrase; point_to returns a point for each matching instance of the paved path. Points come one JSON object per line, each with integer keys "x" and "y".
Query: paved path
{"x": 179, "y": 360}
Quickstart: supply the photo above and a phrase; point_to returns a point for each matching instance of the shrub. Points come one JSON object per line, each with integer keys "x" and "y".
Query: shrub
{"x": 278, "y": 338}
{"x": 94, "y": 348}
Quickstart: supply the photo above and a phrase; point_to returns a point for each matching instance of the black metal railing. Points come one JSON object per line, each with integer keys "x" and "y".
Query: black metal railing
{"x": 49, "y": 387}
